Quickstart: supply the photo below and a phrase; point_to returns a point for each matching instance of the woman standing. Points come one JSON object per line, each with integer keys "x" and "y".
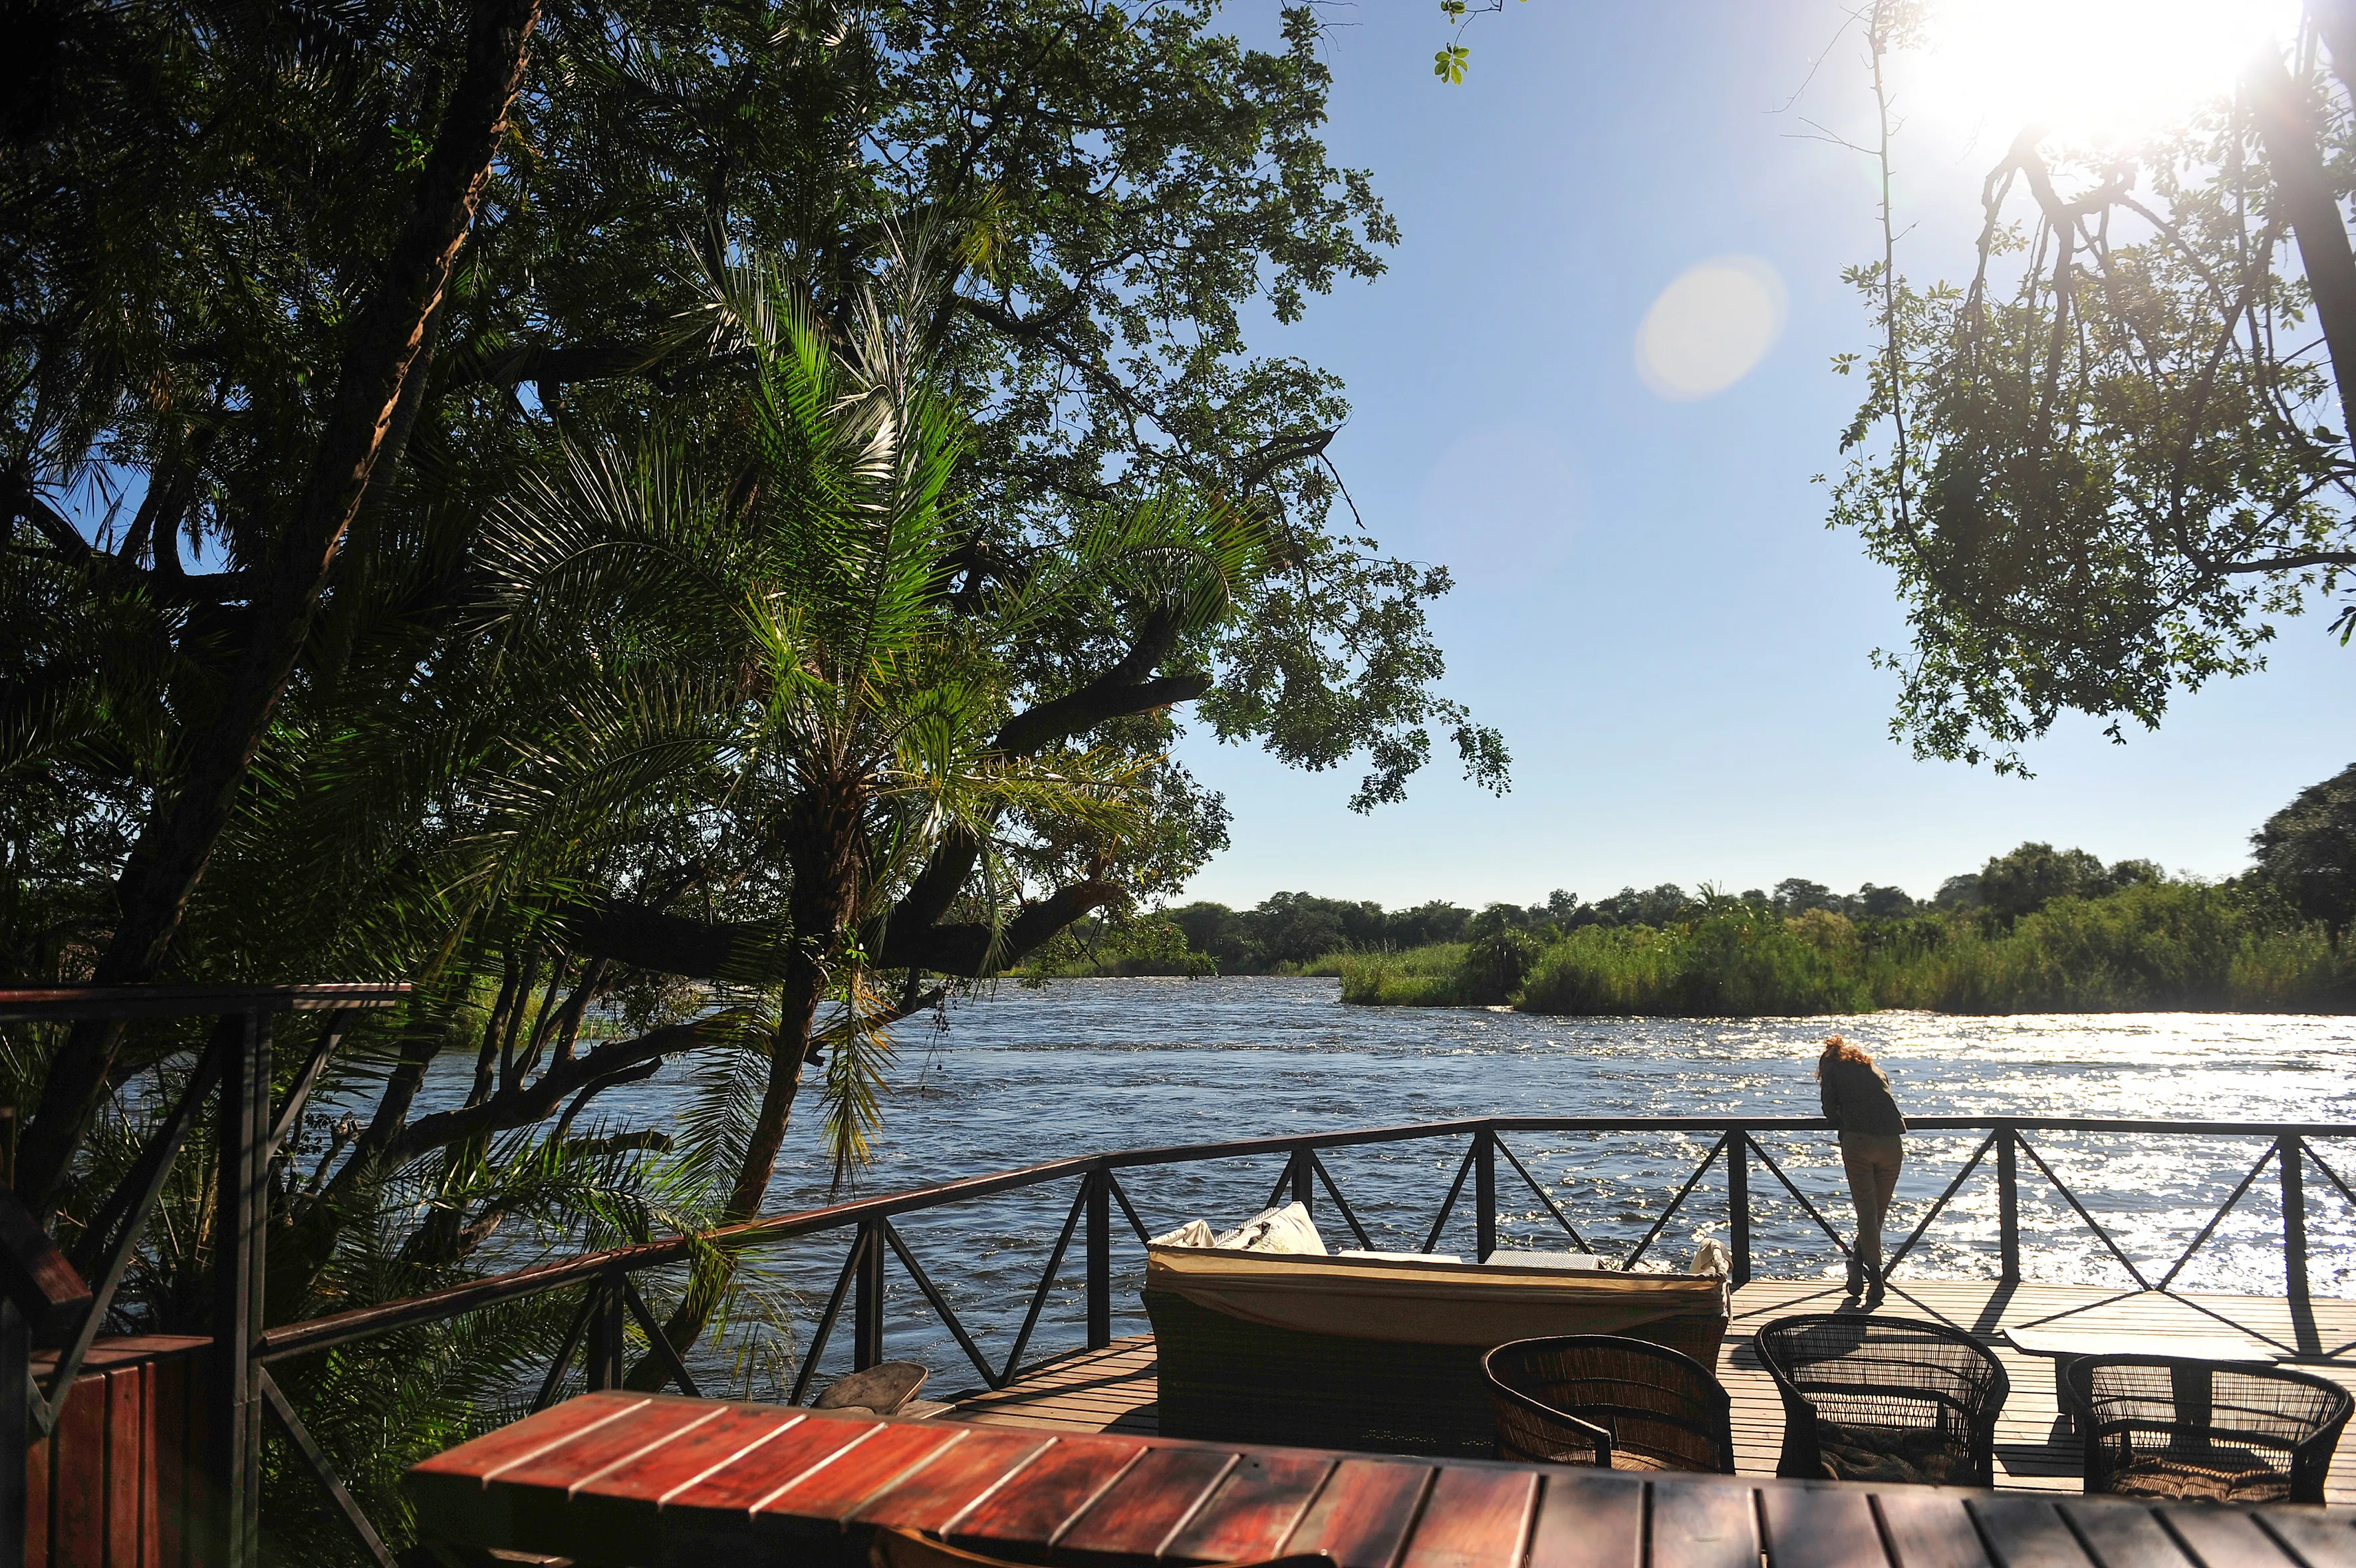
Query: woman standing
{"x": 1856, "y": 1099}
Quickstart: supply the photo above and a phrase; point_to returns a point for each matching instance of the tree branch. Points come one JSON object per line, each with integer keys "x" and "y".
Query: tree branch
{"x": 2323, "y": 250}
{"x": 521, "y": 1107}
{"x": 974, "y": 950}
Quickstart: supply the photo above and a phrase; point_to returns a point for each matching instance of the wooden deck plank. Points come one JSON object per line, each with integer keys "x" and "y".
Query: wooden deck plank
{"x": 1138, "y": 1512}
{"x": 1255, "y": 1508}
{"x": 1929, "y": 1529}
{"x": 838, "y": 1490}
{"x": 1056, "y": 1487}
{"x": 947, "y": 1485}
{"x": 1473, "y": 1519}
{"x": 1703, "y": 1526}
{"x": 2029, "y": 1532}
{"x": 1113, "y": 1389}
{"x": 1589, "y": 1520}
{"x": 1811, "y": 1529}
{"x": 1364, "y": 1513}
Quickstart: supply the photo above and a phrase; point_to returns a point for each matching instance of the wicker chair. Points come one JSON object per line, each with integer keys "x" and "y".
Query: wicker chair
{"x": 1884, "y": 1398}
{"x": 1612, "y": 1403}
{"x": 2163, "y": 1427}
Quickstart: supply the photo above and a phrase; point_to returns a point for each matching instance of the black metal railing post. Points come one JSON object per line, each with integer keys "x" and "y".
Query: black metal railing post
{"x": 1738, "y": 1204}
{"x": 242, "y": 1196}
{"x": 2289, "y": 1153}
{"x": 607, "y": 1348}
{"x": 2008, "y": 1202}
{"x": 1304, "y": 1176}
{"x": 867, "y": 1298}
{"x": 1484, "y": 1194}
{"x": 1099, "y": 1259}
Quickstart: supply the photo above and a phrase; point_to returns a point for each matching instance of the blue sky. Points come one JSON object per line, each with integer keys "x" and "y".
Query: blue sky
{"x": 1649, "y": 603}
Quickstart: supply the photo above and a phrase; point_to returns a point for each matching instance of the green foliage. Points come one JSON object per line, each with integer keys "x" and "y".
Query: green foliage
{"x": 1493, "y": 966}
{"x": 1148, "y": 944}
{"x": 1453, "y": 59}
{"x": 1418, "y": 977}
{"x": 2029, "y": 879}
{"x": 1736, "y": 963}
{"x": 1293, "y": 930}
{"x": 675, "y": 523}
{"x": 2108, "y": 466}
{"x": 2307, "y": 852}
{"x": 2148, "y": 946}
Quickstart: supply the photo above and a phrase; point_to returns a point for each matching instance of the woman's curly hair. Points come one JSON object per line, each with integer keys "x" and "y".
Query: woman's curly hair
{"x": 1839, "y": 1049}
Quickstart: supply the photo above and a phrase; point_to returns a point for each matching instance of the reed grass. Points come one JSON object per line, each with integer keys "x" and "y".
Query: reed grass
{"x": 2162, "y": 946}
{"x": 1418, "y": 977}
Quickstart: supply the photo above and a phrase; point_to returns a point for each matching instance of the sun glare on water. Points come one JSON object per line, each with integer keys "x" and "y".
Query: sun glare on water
{"x": 2090, "y": 69}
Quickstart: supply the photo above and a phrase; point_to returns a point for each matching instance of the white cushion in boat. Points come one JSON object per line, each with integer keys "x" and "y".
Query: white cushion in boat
{"x": 1288, "y": 1229}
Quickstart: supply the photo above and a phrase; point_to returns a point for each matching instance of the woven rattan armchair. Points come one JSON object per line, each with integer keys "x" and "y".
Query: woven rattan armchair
{"x": 1884, "y": 1398}
{"x": 2162, "y": 1426}
{"x": 1612, "y": 1403}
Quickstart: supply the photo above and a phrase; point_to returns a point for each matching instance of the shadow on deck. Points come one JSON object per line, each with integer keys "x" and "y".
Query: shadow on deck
{"x": 1113, "y": 1389}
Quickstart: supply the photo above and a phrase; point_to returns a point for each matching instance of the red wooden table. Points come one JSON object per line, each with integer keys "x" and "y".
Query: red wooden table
{"x": 653, "y": 1481}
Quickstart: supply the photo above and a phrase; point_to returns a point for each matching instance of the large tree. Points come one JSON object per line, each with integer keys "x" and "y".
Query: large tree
{"x": 294, "y": 304}
{"x": 2307, "y": 852}
{"x": 2109, "y": 465}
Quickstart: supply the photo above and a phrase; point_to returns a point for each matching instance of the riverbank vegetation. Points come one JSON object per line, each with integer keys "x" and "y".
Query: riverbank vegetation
{"x": 2156, "y": 946}
{"x": 2037, "y": 929}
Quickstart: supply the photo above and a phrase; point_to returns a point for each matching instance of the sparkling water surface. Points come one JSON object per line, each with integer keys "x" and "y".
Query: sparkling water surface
{"x": 1031, "y": 1075}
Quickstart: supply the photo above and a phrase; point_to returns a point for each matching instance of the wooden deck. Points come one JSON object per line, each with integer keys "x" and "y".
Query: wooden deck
{"x": 1113, "y": 1389}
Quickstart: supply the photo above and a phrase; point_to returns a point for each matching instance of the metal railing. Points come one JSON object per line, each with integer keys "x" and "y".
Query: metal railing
{"x": 235, "y": 1058}
{"x": 611, "y": 1299}
{"x": 241, "y": 1387}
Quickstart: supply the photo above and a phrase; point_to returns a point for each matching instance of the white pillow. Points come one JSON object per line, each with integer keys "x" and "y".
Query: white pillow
{"x": 1285, "y": 1229}
{"x": 1193, "y": 1233}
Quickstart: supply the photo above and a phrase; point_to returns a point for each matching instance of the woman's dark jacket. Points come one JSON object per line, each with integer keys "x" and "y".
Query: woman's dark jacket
{"x": 1857, "y": 1098}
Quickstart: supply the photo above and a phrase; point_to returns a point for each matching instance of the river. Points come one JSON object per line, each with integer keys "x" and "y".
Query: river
{"x": 1026, "y": 1075}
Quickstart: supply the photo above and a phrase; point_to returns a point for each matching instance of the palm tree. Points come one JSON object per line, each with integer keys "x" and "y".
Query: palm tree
{"x": 752, "y": 610}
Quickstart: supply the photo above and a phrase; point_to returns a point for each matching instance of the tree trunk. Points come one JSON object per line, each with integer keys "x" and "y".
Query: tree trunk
{"x": 2289, "y": 134}
{"x": 822, "y": 905}
{"x": 381, "y": 356}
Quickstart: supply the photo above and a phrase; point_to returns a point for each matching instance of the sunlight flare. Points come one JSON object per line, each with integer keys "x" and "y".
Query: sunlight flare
{"x": 2095, "y": 71}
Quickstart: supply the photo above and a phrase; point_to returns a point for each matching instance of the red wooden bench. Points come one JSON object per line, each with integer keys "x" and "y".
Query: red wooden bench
{"x": 656, "y": 1481}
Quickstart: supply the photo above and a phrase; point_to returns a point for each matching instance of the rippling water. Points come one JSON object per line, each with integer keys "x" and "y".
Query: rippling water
{"x": 1031, "y": 1075}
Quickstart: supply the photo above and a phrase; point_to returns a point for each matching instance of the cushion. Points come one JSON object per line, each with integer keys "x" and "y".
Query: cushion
{"x": 1916, "y": 1456}
{"x": 2221, "y": 1475}
{"x": 1287, "y": 1229}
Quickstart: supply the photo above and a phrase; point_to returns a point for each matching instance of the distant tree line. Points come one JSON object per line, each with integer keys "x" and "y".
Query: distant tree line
{"x": 2304, "y": 872}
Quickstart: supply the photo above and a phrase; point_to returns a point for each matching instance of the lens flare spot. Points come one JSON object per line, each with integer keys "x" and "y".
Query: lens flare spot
{"x": 1710, "y": 327}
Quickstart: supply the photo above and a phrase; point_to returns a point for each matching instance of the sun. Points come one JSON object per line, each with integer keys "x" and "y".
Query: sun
{"x": 2092, "y": 70}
